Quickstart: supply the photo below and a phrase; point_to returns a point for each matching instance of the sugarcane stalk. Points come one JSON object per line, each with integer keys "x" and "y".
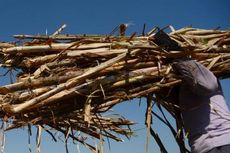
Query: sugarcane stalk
{"x": 33, "y": 93}
{"x": 211, "y": 36}
{"x": 69, "y": 84}
{"x": 204, "y": 32}
{"x": 54, "y": 47}
{"x": 98, "y": 51}
{"x": 76, "y": 90}
{"x": 34, "y": 83}
{"x": 6, "y": 45}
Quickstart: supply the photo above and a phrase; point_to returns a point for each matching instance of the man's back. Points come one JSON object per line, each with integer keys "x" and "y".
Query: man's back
{"x": 204, "y": 110}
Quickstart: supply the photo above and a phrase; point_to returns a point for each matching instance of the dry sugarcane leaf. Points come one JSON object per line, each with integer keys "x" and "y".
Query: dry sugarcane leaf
{"x": 158, "y": 140}
{"x": 148, "y": 121}
{"x": 3, "y": 137}
{"x": 87, "y": 111}
{"x": 38, "y": 138}
{"x": 101, "y": 144}
{"x": 59, "y": 30}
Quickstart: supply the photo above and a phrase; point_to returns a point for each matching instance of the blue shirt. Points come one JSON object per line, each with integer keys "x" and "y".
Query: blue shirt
{"x": 204, "y": 110}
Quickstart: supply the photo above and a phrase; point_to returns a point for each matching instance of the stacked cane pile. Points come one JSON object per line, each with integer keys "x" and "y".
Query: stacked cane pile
{"x": 66, "y": 81}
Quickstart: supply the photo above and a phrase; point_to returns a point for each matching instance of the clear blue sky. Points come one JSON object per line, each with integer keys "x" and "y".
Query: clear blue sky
{"x": 100, "y": 17}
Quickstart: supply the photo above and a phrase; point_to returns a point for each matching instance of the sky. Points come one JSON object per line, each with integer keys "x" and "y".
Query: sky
{"x": 100, "y": 17}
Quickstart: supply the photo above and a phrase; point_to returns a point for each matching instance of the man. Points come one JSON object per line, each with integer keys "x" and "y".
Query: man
{"x": 204, "y": 111}
{"x": 203, "y": 107}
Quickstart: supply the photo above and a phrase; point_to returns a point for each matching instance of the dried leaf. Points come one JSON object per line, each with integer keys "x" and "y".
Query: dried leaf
{"x": 38, "y": 138}
{"x": 148, "y": 121}
{"x": 87, "y": 111}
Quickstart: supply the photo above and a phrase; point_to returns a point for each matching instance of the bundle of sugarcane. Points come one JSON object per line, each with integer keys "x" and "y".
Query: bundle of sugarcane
{"x": 67, "y": 81}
